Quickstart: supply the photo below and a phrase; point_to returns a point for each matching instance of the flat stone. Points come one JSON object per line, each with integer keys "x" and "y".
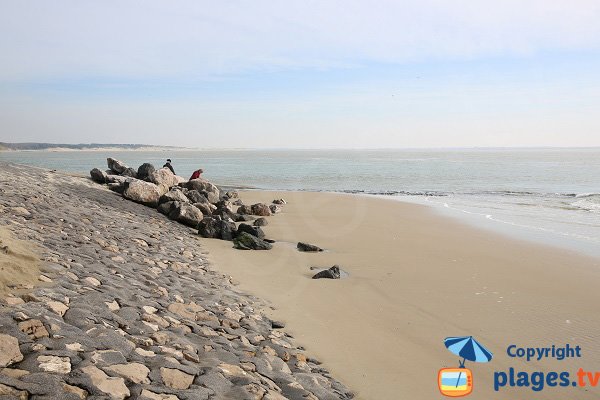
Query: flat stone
{"x": 148, "y": 395}
{"x": 145, "y": 353}
{"x": 14, "y": 301}
{"x": 57, "y": 307}
{"x": 176, "y": 379}
{"x": 187, "y": 311}
{"x": 14, "y": 372}
{"x": 9, "y": 350}
{"x": 74, "y": 347}
{"x": 34, "y": 328}
{"x": 134, "y": 372}
{"x": 113, "y": 305}
{"x": 114, "y": 387}
{"x": 92, "y": 281}
{"x": 13, "y": 393}
{"x": 77, "y": 391}
{"x": 59, "y": 365}
{"x": 231, "y": 370}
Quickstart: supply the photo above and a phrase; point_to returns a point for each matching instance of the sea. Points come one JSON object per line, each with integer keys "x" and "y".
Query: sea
{"x": 549, "y": 195}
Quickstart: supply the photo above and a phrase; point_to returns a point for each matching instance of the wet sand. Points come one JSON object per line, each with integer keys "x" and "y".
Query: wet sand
{"x": 415, "y": 278}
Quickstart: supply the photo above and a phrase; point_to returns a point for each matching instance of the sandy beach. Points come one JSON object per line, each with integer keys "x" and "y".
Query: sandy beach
{"x": 415, "y": 278}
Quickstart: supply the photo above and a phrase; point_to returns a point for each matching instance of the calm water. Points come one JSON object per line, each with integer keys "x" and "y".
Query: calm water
{"x": 540, "y": 194}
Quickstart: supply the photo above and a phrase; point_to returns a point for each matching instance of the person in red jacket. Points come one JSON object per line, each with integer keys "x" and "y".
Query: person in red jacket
{"x": 196, "y": 174}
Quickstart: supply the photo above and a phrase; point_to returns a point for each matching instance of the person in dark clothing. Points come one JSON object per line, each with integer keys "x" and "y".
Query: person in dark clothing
{"x": 168, "y": 165}
{"x": 196, "y": 174}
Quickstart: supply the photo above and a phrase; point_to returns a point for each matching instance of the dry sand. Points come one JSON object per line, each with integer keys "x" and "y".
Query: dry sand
{"x": 19, "y": 265}
{"x": 415, "y": 278}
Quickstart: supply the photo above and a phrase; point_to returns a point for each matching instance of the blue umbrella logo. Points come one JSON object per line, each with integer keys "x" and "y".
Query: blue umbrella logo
{"x": 469, "y": 349}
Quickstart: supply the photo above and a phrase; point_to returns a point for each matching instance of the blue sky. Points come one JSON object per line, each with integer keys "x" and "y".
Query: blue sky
{"x": 303, "y": 74}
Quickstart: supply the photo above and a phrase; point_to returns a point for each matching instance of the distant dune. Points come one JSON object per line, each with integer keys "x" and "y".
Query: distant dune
{"x": 82, "y": 146}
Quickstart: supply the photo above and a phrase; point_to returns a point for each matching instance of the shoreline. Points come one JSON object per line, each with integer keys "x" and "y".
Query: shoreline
{"x": 415, "y": 278}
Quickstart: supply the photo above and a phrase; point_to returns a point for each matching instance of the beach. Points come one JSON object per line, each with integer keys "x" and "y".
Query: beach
{"x": 416, "y": 277}
{"x": 102, "y": 295}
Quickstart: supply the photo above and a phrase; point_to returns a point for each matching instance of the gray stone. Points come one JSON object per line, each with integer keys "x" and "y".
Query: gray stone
{"x": 98, "y": 175}
{"x": 308, "y": 247}
{"x": 246, "y": 241}
{"x": 116, "y": 166}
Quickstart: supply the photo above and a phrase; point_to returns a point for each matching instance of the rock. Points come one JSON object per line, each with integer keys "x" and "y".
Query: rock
{"x": 118, "y": 167}
{"x": 130, "y": 172}
{"x": 204, "y": 187}
{"x": 20, "y": 211}
{"x": 176, "y": 379}
{"x": 14, "y": 301}
{"x": 145, "y": 170}
{"x": 277, "y": 324}
{"x": 187, "y": 214}
{"x": 308, "y": 247}
{"x": 134, "y": 372}
{"x": 98, "y": 175}
{"x": 260, "y": 222}
{"x": 231, "y": 370}
{"x": 114, "y": 387}
{"x": 57, "y": 307}
{"x": 9, "y": 392}
{"x": 116, "y": 187}
{"x": 163, "y": 177}
{"x": 90, "y": 280}
{"x": 331, "y": 273}
{"x": 196, "y": 197}
{"x": 246, "y": 241}
{"x": 143, "y": 192}
{"x": 187, "y": 311}
{"x": 9, "y": 350}
{"x": 209, "y": 228}
{"x": 205, "y": 208}
{"x": 260, "y": 209}
{"x": 173, "y": 195}
{"x": 253, "y": 230}
{"x": 279, "y": 201}
{"x": 59, "y": 365}
{"x": 34, "y": 328}
{"x": 232, "y": 194}
{"x": 79, "y": 392}
{"x": 228, "y": 230}
{"x": 148, "y": 395}
{"x": 168, "y": 207}
{"x": 275, "y": 209}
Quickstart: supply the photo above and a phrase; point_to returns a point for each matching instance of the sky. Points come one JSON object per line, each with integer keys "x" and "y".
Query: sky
{"x": 301, "y": 74}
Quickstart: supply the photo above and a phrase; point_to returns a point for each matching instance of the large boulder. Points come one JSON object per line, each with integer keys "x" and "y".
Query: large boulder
{"x": 118, "y": 167}
{"x": 260, "y": 209}
{"x": 246, "y": 241}
{"x": 206, "y": 208}
{"x": 244, "y": 210}
{"x": 175, "y": 194}
{"x": 145, "y": 170}
{"x": 142, "y": 192}
{"x": 98, "y": 176}
{"x": 253, "y": 230}
{"x": 209, "y": 228}
{"x": 228, "y": 230}
{"x": 187, "y": 214}
{"x": 163, "y": 177}
{"x": 210, "y": 191}
{"x": 168, "y": 207}
{"x": 130, "y": 172}
{"x": 196, "y": 197}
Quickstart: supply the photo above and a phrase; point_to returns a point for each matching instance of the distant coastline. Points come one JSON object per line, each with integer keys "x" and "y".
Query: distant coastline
{"x": 33, "y": 146}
